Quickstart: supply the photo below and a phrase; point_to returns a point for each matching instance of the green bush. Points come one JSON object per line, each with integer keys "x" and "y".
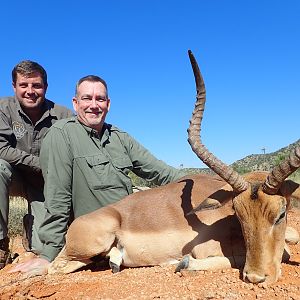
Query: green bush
{"x": 138, "y": 181}
{"x": 296, "y": 176}
{"x": 242, "y": 170}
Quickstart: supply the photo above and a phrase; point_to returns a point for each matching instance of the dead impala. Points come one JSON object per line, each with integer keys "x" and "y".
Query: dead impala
{"x": 171, "y": 224}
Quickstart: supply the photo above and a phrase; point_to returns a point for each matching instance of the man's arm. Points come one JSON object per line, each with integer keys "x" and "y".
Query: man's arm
{"x": 14, "y": 156}
{"x": 147, "y": 166}
{"x": 57, "y": 162}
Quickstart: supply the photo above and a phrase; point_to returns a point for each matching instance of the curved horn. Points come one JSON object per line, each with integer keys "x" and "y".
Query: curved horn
{"x": 237, "y": 182}
{"x": 281, "y": 172}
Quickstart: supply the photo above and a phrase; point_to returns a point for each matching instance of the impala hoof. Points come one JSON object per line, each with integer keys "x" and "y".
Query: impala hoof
{"x": 114, "y": 267}
{"x": 183, "y": 264}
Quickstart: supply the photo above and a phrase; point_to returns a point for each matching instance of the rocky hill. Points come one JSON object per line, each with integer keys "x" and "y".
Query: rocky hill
{"x": 264, "y": 162}
{"x": 257, "y": 162}
{"x": 253, "y": 162}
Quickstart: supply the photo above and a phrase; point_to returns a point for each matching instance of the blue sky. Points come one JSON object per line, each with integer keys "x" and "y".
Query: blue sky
{"x": 248, "y": 52}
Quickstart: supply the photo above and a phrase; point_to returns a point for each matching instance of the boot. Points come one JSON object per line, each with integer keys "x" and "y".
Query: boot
{"x": 4, "y": 253}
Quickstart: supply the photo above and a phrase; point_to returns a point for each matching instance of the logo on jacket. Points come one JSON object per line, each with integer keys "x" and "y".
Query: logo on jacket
{"x": 18, "y": 129}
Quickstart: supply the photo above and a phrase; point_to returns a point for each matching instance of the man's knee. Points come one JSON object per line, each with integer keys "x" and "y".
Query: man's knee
{"x": 5, "y": 171}
{"x": 5, "y": 182}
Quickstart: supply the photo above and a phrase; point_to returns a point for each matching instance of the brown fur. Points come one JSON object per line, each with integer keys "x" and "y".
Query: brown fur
{"x": 170, "y": 224}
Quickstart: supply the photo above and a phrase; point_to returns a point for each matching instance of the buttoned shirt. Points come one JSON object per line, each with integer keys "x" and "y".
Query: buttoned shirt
{"x": 84, "y": 171}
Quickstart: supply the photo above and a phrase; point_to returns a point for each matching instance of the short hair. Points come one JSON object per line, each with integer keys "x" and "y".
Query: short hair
{"x": 27, "y": 68}
{"x": 91, "y": 78}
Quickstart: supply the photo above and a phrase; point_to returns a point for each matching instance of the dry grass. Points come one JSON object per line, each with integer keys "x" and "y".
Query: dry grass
{"x": 17, "y": 209}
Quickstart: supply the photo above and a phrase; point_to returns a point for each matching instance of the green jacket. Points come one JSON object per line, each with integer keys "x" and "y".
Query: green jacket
{"x": 20, "y": 140}
{"x": 84, "y": 172}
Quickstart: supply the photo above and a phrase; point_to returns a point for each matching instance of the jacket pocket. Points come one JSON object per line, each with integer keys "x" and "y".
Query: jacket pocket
{"x": 104, "y": 174}
{"x": 97, "y": 163}
{"x": 123, "y": 163}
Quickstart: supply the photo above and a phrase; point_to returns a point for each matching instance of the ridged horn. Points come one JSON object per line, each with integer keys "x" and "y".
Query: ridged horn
{"x": 281, "y": 172}
{"x": 237, "y": 182}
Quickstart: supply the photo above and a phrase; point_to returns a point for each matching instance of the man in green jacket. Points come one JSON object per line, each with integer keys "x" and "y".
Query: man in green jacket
{"x": 85, "y": 163}
{"x": 24, "y": 120}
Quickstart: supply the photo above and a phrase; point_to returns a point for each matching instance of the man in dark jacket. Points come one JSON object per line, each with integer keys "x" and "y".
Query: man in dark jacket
{"x": 24, "y": 120}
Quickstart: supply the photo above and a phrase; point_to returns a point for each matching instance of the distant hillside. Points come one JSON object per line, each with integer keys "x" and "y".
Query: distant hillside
{"x": 263, "y": 162}
{"x": 253, "y": 162}
{"x": 257, "y": 162}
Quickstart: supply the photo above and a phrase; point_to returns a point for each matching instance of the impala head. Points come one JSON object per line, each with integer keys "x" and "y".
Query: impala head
{"x": 260, "y": 202}
{"x": 263, "y": 222}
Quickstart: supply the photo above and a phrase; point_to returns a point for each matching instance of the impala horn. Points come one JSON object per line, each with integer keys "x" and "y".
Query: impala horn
{"x": 237, "y": 182}
{"x": 281, "y": 172}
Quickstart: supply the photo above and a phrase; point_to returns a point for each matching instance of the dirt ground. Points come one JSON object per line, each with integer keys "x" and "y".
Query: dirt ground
{"x": 154, "y": 282}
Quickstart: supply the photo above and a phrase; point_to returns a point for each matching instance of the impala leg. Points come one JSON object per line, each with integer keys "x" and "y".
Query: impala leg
{"x": 210, "y": 263}
{"x": 291, "y": 236}
{"x": 286, "y": 253}
{"x": 115, "y": 259}
{"x": 64, "y": 265}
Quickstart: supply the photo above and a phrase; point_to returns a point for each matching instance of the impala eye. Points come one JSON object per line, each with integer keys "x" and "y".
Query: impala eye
{"x": 281, "y": 218}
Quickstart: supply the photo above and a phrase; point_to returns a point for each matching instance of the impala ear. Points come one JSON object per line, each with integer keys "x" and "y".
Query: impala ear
{"x": 291, "y": 191}
{"x": 209, "y": 203}
{"x": 215, "y": 200}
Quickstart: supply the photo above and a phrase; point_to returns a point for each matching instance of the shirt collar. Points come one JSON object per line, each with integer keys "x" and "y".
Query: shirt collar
{"x": 47, "y": 107}
{"x": 104, "y": 135}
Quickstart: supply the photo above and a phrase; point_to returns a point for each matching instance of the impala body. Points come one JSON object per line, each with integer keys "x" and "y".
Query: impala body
{"x": 200, "y": 222}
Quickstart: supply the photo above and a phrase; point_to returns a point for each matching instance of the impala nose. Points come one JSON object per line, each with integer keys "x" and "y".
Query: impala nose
{"x": 253, "y": 278}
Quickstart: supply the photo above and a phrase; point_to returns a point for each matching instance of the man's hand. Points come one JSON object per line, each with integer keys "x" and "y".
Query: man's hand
{"x": 34, "y": 267}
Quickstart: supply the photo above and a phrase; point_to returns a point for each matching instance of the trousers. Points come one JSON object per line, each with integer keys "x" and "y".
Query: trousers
{"x": 14, "y": 182}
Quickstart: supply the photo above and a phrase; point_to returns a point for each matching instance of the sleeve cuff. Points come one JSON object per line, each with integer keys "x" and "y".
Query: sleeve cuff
{"x": 49, "y": 252}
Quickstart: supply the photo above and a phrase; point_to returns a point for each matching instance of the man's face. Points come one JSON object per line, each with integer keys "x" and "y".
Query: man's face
{"x": 30, "y": 91}
{"x": 91, "y": 104}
